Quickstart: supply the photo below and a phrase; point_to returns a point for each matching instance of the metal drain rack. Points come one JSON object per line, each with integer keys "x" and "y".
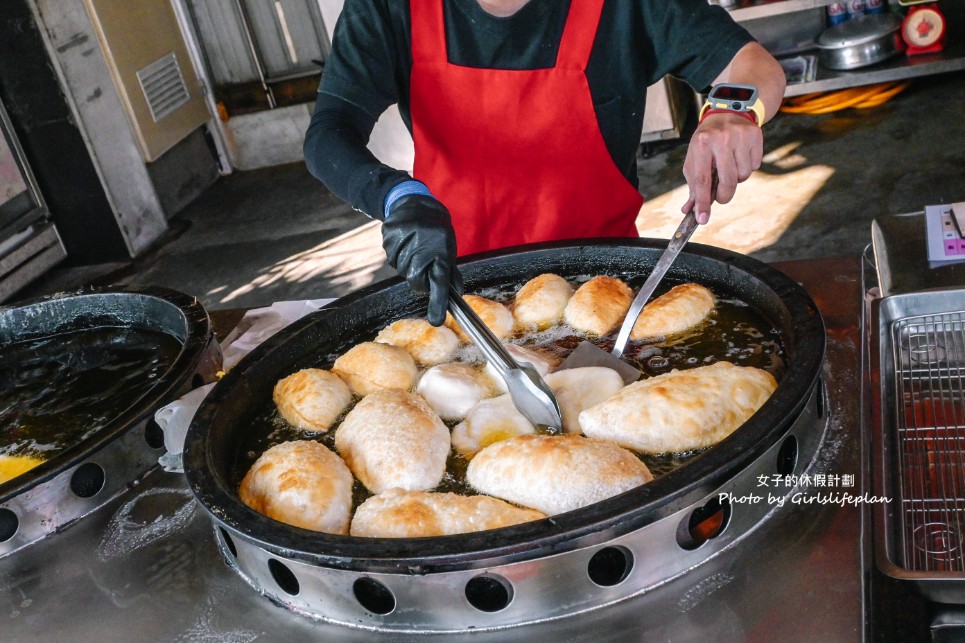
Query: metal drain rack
{"x": 928, "y": 353}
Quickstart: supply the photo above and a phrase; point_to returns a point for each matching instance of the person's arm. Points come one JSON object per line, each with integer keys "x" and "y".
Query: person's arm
{"x": 336, "y": 153}
{"x": 417, "y": 232}
{"x": 726, "y": 148}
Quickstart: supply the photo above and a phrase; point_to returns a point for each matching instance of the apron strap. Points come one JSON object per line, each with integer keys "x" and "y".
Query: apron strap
{"x": 428, "y": 31}
{"x": 579, "y": 34}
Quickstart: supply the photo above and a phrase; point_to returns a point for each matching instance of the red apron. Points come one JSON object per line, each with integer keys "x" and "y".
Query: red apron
{"x": 516, "y": 156}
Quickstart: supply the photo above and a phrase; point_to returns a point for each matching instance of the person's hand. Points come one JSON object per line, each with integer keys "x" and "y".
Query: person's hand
{"x": 726, "y": 148}
{"x": 420, "y": 244}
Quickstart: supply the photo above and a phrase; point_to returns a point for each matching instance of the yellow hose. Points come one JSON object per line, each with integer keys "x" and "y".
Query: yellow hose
{"x": 856, "y": 97}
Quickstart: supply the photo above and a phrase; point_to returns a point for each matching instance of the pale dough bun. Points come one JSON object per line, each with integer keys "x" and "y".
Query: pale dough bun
{"x": 542, "y": 361}
{"x": 417, "y": 514}
{"x": 372, "y": 366}
{"x": 577, "y": 389}
{"x": 673, "y": 312}
{"x": 300, "y": 483}
{"x": 496, "y": 316}
{"x": 681, "y": 410}
{"x": 555, "y": 473}
{"x": 598, "y": 305}
{"x": 393, "y": 439}
{"x": 428, "y": 344}
{"x": 489, "y": 421}
{"x": 312, "y": 399}
{"x": 454, "y": 388}
{"x": 540, "y": 302}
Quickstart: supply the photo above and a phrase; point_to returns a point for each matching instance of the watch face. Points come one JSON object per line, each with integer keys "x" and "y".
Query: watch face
{"x": 732, "y": 92}
{"x": 923, "y": 27}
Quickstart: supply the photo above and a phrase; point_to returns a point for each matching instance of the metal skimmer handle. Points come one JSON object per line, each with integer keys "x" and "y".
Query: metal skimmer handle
{"x": 684, "y": 231}
{"x": 529, "y": 392}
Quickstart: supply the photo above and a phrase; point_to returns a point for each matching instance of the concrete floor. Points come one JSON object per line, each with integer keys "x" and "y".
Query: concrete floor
{"x": 276, "y": 234}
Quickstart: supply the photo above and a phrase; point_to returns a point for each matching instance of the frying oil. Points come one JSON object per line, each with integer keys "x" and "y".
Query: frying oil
{"x": 734, "y": 332}
{"x": 59, "y": 390}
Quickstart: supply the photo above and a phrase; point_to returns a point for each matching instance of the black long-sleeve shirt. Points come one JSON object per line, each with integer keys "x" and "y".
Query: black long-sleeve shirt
{"x": 637, "y": 43}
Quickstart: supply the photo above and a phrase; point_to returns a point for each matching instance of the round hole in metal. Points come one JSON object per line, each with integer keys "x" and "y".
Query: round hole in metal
{"x": 821, "y": 398}
{"x": 610, "y": 566}
{"x": 230, "y": 544}
{"x": 88, "y": 480}
{"x": 373, "y": 595}
{"x": 284, "y": 577}
{"x": 489, "y": 593}
{"x": 704, "y": 523}
{"x": 787, "y": 456}
{"x": 9, "y": 524}
{"x": 154, "y": 434}
{"x": 197, "y": 381}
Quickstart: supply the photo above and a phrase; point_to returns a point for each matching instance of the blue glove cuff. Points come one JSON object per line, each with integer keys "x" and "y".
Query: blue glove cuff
{"x": 404, "y": 189}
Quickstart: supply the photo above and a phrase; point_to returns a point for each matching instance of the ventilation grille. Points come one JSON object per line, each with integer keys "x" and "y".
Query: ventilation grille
{"x": 163, "y": 86}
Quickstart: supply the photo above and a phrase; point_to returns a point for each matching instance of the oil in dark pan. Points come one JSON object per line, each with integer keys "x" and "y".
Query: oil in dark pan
{"x": 734, "y": 332}
{"x": 59, "y": 390}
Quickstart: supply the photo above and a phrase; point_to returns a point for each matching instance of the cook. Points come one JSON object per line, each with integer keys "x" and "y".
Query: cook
{"x": 526, "y": 116}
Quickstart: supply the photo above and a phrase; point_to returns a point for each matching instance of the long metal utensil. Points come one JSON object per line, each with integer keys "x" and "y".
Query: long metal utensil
{"x": 589, "y": 354}
{"x": 529, "y": 392}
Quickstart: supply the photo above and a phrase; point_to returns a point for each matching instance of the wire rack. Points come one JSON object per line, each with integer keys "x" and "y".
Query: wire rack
{"x": 929, "y": 359}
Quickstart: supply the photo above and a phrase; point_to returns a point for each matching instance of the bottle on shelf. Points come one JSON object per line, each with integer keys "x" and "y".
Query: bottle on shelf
{"x": 837, "y": 13}
{"x": 855, "y": 8}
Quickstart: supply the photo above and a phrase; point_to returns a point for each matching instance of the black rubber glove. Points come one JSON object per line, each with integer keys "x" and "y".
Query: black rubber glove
{"x": 420, "y": 244}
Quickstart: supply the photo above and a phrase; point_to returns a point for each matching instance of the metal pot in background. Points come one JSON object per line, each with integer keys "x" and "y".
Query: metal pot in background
{"x": 860, "y": 42}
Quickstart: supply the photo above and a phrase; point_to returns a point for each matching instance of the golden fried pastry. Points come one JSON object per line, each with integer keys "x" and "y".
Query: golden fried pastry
{"x": 489, "y": 421}
{"x": 681, "y": 410}
{"x": 452, "y": 389}
{"x": 542, "y": 361}
{"x": 598, "y": 305}
{"x": 372, "y": 366}
{"x": 540, "y": 302}
{"x": 300, "y": 483}
{"x": 416, "y": 514}
{"x": 428, "y": 344}
{"x": 577, "y": 389}
{"x": 312, "y": 399}
{"x": 496, "y": 316}
{"x": 673, "y": 312}
{"x": 393, "y": 439}
{"x": 555, "y": 473}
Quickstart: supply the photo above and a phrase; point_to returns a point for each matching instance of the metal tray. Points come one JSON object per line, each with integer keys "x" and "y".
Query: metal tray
{"x": 918, "y": 410}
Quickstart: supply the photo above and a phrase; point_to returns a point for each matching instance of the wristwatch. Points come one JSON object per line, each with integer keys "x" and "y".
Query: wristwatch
{"x": 743, "y": 100}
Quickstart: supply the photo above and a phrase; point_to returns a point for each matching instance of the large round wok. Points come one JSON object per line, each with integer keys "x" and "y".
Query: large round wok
{"x": 214, "y": 441}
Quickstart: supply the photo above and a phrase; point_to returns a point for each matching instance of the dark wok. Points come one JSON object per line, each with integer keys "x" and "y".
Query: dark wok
{"x": 213, "y": 442}
{"x": 173, "y": 313}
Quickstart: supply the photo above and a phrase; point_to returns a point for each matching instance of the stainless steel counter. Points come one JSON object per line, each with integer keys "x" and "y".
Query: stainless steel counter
{"x": 145, "y": 567}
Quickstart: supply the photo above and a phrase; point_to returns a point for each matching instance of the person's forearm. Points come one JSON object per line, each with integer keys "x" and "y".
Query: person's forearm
{"x": 753, "y": 65}
{"x": 336, "y": 154}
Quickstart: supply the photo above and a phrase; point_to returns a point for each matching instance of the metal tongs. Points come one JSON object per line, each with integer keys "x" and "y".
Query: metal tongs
{"x": 529, "y": 392}
{"x": 589, "y": 354}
